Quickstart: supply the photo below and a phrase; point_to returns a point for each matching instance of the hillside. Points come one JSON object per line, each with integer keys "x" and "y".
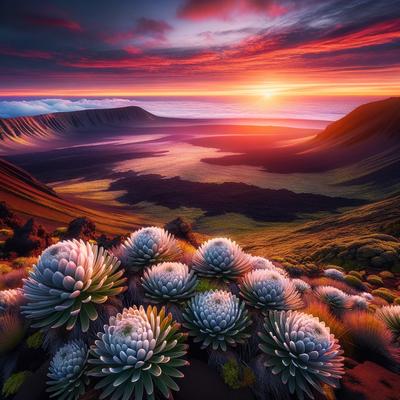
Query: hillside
{"x": 374, "y": 228}
{"x": 29, "y": 197}
{"x": 377, "y": 120}
{"x": 21, "y": 130}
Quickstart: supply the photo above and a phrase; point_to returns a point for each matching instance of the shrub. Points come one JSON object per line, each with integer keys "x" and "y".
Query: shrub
{"x": 69, "y": 279}
{"x": 35, "y": 341}
{"x": 14, "y": 382}
{"x": 4, "y": 268}
{"x": 147, "y": 246}
{"x": 169, "y": 282}
{"x": 386, "y": 275}
{"x": 354, "y": 282}
{"x": 268, "y": 289}
{"x": 302, "y": 351}
{"x": 235, "y": 376}
{"x": 216, "y": 318}
{"x": 375, "y": 280}
{"x": 206, "y": 284}
{"x": 357, "y": 274}
{"x": 138, "y": 354}
{"x": 24, "y": 262}
{"x": 221, "y": 258}
{"x": 385, "y": 293}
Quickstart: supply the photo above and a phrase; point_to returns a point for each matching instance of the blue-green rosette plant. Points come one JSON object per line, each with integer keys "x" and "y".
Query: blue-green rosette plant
{"x": 302, "y": 351}
{"x": 138, "y": 355}
{"x": 67, "y": 371}
{"x": 221, "y": 258}
{"x": 216, "y": 318}
{"x": 147, "y": 246}
{"x": 268, "y": 289}
{"x": 170, "y": 281}
{"x": 69, "y": 280}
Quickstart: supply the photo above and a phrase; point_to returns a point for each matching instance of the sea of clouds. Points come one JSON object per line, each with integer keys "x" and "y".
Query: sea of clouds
{"x": 325, "y": 109}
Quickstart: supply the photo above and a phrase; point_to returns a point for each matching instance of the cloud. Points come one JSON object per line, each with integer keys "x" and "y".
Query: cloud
{"x": 16, "y": 108}
{"x": 225, "y": 9}
{"x": 52, "y": 22}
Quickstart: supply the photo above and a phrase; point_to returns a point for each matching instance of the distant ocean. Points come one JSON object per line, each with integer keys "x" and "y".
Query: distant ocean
{"x": 312, "y": 108}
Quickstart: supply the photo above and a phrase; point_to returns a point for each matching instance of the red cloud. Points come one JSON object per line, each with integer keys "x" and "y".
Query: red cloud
{"x": 42, "y": 55}
{"x": 202, "y": 9}
{"x": 53, "y": 22}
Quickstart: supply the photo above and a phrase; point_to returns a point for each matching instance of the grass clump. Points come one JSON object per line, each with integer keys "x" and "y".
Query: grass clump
{"x": 14, "y": 382}
{"x": 354, "y": 282}
{"x": 386, "y": 275}
{"x": 24, "y": 262}
{"x": 206, "y": 284}
{"x": 5, "y": 268}
{"x": 35, "y": 341}
{"x": 385, "y": 294}
{"x": 236, "y": 376}
{"x": 357, "y": 274}
{"x": 370, "y": 337}
{"x": 375, "y": 280}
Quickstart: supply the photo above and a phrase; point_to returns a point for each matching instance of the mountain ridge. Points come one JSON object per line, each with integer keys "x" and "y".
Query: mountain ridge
{"x": 375, "y": 120}
{"x": 20, "y": 129}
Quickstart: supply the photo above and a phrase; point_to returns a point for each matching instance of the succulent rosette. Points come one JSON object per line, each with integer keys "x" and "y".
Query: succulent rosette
{"x": 335, "y": 298}
{"x": 268, "y": 289}
{"x": 264, "y": 263}
{"x": 138, "y": 355}
{"x": 70, "y": 278}
{"x": 148, "y": 246}
{"x": 169, "y": 281}
{"x": 216, "y": 318}
{"x": 302, "y": 351}
{"x": 221, "y": 258}
{"x": 67, "y": 371}
{"x": 11, "y": 298}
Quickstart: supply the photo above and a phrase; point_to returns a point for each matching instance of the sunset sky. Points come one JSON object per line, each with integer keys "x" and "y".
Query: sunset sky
{"x": 199, "y": 48}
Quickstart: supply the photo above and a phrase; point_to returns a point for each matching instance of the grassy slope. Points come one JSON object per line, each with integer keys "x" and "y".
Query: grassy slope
{"x": 300, "y": 240}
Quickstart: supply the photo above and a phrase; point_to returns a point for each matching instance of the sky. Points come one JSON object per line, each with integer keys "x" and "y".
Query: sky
{"x": 238, "y": 48}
